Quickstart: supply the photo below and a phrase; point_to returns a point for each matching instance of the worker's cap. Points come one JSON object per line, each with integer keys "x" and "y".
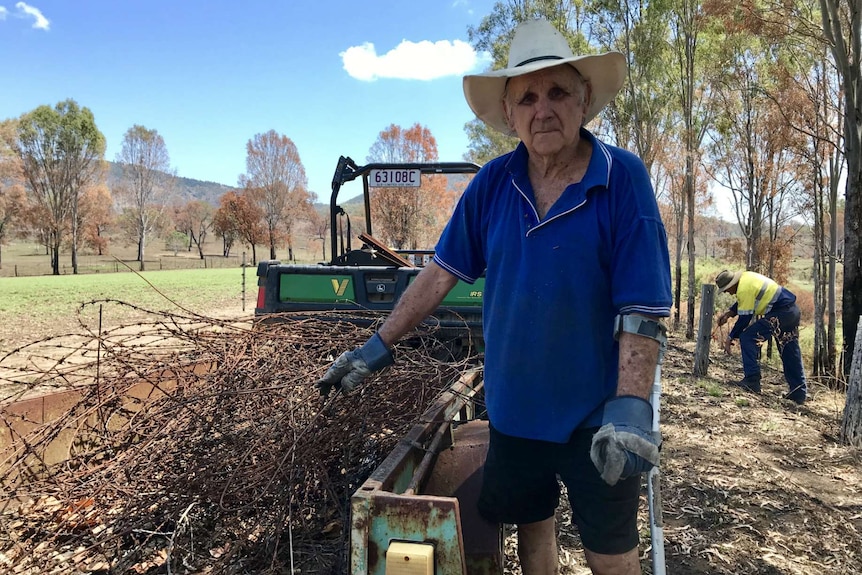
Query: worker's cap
{"x": 727, "y": 279}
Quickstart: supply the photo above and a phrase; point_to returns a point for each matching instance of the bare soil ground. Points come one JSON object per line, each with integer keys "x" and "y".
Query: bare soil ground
{"x": 751, "y": 484}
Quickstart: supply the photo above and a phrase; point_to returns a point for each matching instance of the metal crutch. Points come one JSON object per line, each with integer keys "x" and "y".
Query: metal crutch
{"x": 656, "y": 523}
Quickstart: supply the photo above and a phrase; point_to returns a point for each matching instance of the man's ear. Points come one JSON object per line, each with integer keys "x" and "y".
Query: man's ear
{"x": 507, "y": 113}
{"x": 587, "y": 100}
{"x": 588, "y": 95}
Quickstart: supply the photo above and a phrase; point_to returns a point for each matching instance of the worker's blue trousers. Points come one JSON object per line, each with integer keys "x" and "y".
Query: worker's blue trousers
{"x": 783, "y": 325}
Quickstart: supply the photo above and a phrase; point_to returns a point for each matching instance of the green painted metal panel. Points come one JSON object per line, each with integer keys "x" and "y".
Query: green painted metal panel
{"x": 316, "y": 288}
{"x": 464, "y": 294}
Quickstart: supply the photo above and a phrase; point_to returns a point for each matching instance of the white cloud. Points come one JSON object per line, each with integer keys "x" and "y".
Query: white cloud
{"x": 3, "y": 12}
{"x": 25, "y": 10}
{"x": 423, "y": 60}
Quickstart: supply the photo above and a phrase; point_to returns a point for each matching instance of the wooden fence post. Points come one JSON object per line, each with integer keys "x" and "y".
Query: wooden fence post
{"x": 243, "y": 282}
{"x": 851, "y": 427}
{"x": 704, "y": 331}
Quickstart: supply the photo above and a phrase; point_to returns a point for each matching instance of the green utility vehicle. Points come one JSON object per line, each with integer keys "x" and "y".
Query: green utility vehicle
{"x": 372, "y": 277}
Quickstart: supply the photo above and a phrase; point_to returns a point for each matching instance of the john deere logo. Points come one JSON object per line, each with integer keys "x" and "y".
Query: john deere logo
{"x": 339, "y": 288}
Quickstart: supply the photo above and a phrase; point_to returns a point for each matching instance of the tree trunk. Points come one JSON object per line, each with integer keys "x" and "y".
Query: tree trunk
{"x": 55, "y": 258}
{"x": 141, "y": 252}
{"x": 851, "y": 427}
{"x": 677, "y": 289}
{"x": 833, "y": 271}
{"x": 844, "y": 36}
{"x": 852, "y": 301}
{"x": 75, "y": 233}
{"x": 271, "y": 241}
{"x": 820, "y": 355}
{"x": 690, "y": 200}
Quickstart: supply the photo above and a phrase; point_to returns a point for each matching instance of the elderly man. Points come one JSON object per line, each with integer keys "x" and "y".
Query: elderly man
{"x": 567, "y": 232}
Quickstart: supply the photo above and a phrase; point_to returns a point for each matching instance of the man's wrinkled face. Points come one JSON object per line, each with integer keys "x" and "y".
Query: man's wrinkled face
{"x": 546, "y": 108}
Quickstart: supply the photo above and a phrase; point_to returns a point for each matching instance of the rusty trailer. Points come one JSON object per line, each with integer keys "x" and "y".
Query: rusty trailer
{"x": 417, "y": 513}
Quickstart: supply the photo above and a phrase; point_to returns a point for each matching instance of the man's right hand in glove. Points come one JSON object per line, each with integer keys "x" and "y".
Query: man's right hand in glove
{"x": 352, "y": 367}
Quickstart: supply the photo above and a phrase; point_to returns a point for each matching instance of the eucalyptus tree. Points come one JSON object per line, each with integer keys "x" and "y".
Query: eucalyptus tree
{"x": 842, "y": 25}
{"x": 753, "y": 146}
{"x": 408, "y": 215}
{"x": 62, "y": 154}
{"x": 693, "y": 40}
{"x": 640, "y": 31}
{"x": 146, "y": 183}
{"x": 825, "y": 163}
{"x": 12, "y": 199}
{"x": 646, "y": 118}
{"x": 275, "y": 181}
{"x": 821, "y": 123}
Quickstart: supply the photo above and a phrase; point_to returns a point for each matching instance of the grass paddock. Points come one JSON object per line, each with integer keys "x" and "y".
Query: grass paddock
{"x": 35, "y": 307}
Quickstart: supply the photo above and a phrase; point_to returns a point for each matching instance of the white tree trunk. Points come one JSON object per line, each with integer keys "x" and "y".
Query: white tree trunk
{"x": 851, "y": 428}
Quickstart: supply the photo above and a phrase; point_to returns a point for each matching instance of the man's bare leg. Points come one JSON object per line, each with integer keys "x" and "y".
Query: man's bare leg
{"x": 624, "y": 564}
{"x": 537, "y": 547}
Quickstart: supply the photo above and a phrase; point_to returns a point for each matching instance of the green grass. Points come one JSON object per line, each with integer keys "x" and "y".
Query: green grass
{"x": 22, "y": 258}
{"x": 36, "y": 306}
{"x": 711, "y": 389}
{"x": 770, "y": 426}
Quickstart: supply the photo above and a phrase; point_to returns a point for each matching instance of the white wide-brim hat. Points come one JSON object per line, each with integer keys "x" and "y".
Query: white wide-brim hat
{"x": 537, "y": 45}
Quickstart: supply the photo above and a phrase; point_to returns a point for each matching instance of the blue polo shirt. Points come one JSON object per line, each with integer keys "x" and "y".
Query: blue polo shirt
{"x": 554, "y": 286}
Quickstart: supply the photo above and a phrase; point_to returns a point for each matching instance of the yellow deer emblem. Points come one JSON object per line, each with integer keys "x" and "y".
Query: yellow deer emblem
{"x": 339, "y": 288}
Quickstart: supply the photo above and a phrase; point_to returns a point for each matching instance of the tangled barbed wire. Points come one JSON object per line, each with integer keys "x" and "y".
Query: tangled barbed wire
{"x": 199, "y": 445}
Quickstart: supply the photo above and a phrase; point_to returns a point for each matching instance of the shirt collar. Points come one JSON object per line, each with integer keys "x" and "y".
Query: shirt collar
{"x": 598, "y": 172}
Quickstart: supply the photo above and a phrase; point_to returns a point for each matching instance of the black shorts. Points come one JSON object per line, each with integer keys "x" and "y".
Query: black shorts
{"x": 520, "y": 486}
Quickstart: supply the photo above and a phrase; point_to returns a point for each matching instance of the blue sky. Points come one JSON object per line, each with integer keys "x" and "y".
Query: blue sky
{"x": 209, "y": 75}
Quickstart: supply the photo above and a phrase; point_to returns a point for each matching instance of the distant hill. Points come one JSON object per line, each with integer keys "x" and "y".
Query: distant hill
{"x": 187, "y": 188}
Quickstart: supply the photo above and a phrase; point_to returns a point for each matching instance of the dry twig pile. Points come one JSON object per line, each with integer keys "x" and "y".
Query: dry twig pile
{"x": 239, "y": 469}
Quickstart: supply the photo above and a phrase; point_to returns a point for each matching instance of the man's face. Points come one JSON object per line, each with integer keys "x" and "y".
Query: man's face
{"x": 546, "y": 108}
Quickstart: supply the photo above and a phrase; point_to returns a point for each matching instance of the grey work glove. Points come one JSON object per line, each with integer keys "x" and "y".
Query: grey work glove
{"x": 352, "y": 367}
{"x": 624, "y": 446}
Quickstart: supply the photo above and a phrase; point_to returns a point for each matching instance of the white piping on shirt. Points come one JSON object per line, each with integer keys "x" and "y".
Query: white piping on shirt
{"x": 541, "y": 223}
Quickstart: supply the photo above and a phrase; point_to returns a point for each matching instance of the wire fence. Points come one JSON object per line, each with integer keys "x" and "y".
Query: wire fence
{"x": 107, "y": 264}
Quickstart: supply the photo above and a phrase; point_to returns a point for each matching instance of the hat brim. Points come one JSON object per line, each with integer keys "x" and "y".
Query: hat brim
{"x": 733, "y": 281}
{"x": 605, "y": 73}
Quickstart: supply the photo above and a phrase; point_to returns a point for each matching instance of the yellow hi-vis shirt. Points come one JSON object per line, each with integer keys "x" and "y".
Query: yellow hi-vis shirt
{"x": 756, "y": 294}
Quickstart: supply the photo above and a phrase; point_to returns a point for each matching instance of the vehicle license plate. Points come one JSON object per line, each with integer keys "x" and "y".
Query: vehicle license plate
{"x": 394, "y": 178}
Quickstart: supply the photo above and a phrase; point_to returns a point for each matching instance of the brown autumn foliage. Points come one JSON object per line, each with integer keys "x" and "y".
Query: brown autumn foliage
{"x": 410, "y": 218}
{"x": 238, "y": 218}
{"x": 96, "y": 208}
{"x": 275, "y": 180}
{"x": 194, "y": 219}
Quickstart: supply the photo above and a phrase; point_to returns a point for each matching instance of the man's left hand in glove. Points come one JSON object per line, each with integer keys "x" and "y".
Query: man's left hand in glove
{"x": 625, "y": 445}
